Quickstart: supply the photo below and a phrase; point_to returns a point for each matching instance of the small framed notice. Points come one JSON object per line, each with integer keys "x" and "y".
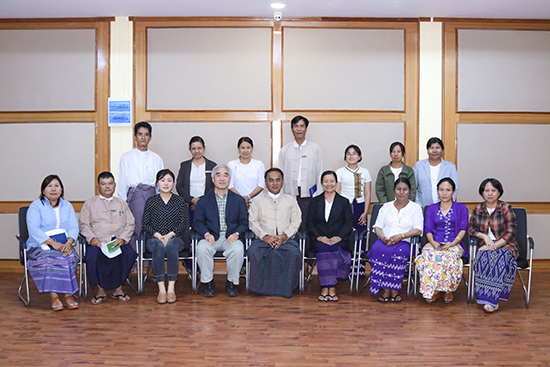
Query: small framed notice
{"x": 120, "y": 112}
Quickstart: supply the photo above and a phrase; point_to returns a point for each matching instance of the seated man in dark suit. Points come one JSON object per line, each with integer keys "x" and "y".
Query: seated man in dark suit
{"x": 220, "y": 218}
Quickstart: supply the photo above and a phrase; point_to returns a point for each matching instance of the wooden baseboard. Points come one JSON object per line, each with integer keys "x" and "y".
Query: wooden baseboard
{"x": 10, "y": 265}
{"x": 13, "y": 265}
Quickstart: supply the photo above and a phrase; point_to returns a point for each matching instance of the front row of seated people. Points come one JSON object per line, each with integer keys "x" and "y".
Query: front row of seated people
{"x": 221, "y": 219}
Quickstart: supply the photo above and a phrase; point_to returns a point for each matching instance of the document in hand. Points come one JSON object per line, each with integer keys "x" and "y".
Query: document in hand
{"x": 110, "y": 250}
{"x": 58, "y": 235}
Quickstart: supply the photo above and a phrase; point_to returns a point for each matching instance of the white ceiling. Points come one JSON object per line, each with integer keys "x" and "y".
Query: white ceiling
{"x": 523, "y": 9}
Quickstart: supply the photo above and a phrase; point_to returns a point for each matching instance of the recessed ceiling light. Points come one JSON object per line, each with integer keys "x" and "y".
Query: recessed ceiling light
{"x": 278, "y": 5}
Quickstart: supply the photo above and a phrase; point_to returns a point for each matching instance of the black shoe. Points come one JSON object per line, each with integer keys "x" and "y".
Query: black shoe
{"x": 209, "y": 289}
{"x": 231, "y": 289}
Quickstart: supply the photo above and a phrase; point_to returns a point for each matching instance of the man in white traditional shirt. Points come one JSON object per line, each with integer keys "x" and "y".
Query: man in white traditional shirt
{"x": 137, "y": 173}
{"x": 105, "y": 218}
{"x": 302, "y": 164}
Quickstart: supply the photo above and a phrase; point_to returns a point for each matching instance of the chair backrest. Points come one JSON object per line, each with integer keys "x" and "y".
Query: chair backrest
{"x": 373, "y": 215}
{"x": 424, "y": 239}
{"x": 521, "y": 232}
{"x": 23, "y": 232}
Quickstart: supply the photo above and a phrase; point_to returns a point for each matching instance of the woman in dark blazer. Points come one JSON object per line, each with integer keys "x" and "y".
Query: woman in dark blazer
{"x": 330, "y": 224}
{"x": 194, "y": 177}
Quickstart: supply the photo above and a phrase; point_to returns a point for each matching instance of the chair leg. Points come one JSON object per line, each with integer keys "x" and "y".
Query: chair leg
{"x": 194, "y": 287}
{"x": 416, "y": 276}
{"x": 139, "y": 275}
{"x": 25, "y": 280}
{"x": 80, "y": 282}
{"x": 85, "y": 285}
{"x": 526, "y": 289}
{"x": 471, "y": 276}
{"x": 359, "y": 253}
{"x": 410, "y": 280}
{"x": 301, "y": 284}
{"x": 247, "y": 266}
{"x": 470, "y": 282}
{"x": 529, "y": 281}
{"x": 310, "y": 273}
{"x": 354, "y": 265}
{"x": 359, "y": 290}
{"x": 528, "y": 296}
{"x": 131, "y": 286}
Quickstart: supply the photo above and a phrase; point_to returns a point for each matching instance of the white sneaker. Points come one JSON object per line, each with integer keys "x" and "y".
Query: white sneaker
{"x": 490, "y": 309}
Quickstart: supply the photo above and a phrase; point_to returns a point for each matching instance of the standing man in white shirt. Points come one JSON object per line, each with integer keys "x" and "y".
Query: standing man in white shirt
{"x": 137, "y": 173}
{"x": 302, "y": 164}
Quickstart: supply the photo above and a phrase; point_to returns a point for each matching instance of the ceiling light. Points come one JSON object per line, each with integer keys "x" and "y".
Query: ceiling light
{"x": 278, "y": 5}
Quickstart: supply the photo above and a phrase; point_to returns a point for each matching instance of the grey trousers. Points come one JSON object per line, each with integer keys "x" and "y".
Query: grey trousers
{"x": 234, "y": 254}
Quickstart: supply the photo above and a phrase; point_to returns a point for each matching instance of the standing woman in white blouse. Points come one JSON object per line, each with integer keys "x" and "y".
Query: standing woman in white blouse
{"x": 397, "y": 222}
{"x": 247, "y": 173}
{"x": 354, "y": 184}
{"x": 428, "y": 172}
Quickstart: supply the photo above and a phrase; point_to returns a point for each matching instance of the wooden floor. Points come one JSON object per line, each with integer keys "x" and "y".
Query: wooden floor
{"x": 271, "y": 331}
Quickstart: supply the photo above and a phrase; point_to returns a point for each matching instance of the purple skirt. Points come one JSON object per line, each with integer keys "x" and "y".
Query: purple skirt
{"x": 494, "y": 273}
{"x": 53, "y": 272}
{"x": 333, "y": 264}
{"x": 388, "y": 265}
{"x": 137, "y": 196}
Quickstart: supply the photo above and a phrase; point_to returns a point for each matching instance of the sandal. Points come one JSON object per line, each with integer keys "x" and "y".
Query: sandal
{"x": 98, "y": 299}
{"x": 396, "y": 299}
{"x": 490, "y": 309}
{"x": 56, "y": 304}
{"x": 448, "y": 297}
{"x": 70, "y": 303}
{"x": 383, "y": 299}
{"x": 121, "y": 297}
{"x": 323, "y": 298}
{"x": 434, "y": 298}
{"x": 332, "y": 298}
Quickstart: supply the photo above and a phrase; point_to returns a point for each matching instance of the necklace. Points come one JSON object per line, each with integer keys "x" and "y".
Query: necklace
{"x": 400, "y": 212}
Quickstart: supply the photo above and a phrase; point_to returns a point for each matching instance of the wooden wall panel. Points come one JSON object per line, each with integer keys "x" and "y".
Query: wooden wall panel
{"x": 344, "y": 69}
{"x": 209, "y": 69}
{"x": 32, "y": 151}
{"x": 503, "y": 70}
{"x": 516, "y": 159}
{"x": 47, "y": 69}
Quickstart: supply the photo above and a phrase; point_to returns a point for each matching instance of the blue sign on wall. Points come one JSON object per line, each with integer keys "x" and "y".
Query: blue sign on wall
{"x": 120, "y": 112}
